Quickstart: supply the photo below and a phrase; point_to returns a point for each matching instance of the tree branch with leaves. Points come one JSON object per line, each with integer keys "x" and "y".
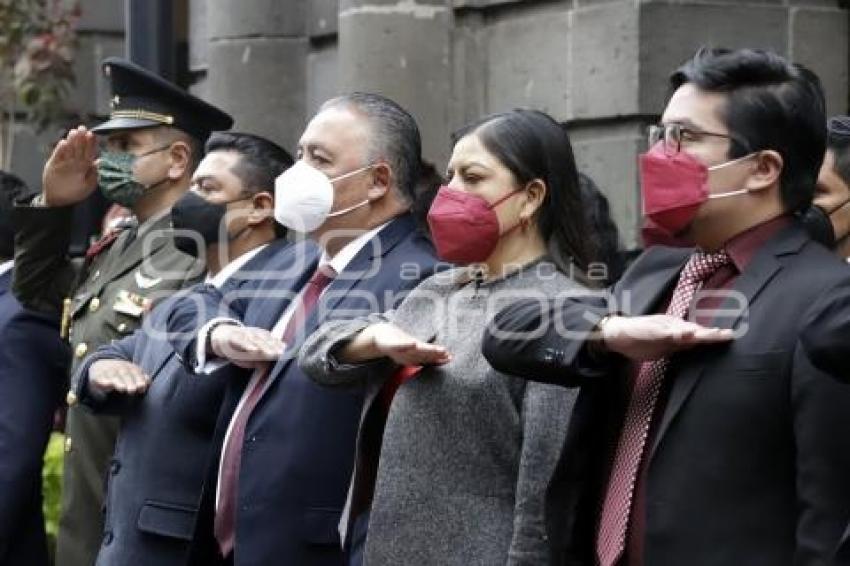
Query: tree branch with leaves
{"x": 38, "y": 42}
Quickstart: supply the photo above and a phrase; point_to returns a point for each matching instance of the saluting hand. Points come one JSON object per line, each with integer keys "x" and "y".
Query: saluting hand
{"x": 70, "y": 174}
{"x": 106, "y": 376}
{"x": 247, "y": 347}
{"x": 388, "y": 340}
{"x": 657, "y": 336}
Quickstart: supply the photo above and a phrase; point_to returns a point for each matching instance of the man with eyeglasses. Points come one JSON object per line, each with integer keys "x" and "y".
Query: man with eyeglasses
{"x": 149, "y": 148}
{"x": 705, "y": 434}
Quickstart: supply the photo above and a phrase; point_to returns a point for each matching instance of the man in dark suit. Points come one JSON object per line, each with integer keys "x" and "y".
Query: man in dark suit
{"x": 704, "y": 435}
{"x": 33, "y": 362}
{"x": 168, "y": 417}
{"x": 287, "y": 444}
{"x": 826, "y": 335}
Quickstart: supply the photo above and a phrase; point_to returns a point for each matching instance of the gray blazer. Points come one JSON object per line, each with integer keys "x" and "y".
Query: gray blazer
{"x": 467, "y": 452}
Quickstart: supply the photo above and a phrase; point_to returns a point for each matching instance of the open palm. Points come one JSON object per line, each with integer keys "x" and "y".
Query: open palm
{"x": 404, "y": 349}
{"x": 70, "y": 175}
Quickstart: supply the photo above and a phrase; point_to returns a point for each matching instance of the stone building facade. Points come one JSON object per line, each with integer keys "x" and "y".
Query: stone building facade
{"x": 600, "y": 66}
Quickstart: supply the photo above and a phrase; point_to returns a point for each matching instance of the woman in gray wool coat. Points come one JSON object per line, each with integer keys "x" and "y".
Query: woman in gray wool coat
{"x": 467, "y": 452}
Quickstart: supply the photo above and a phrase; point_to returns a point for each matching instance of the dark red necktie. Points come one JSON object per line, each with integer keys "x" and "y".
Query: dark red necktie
{"x": 617, "y": 505}
{"x": 231, "y": 457}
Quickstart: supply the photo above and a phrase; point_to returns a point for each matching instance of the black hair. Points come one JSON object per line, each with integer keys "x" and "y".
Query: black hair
{"x": 425, "y": 190}
{"x": 532, "y": 145}
{"x": 394, "y": 137}
{"x": 12, "y": 190}
{"x": 838, "y": 141}
{"x": 602, "y": 230}
{"x": 771, "y": 104}
{"x": 260, "y": 162}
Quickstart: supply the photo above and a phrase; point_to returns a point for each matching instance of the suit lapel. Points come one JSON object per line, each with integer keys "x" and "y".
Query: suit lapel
{"x": 362, "y": 266}
{"x": 648, "y": 280}
{"x": 760, "y": 271}
{"x": 653, "y": 288}
{"x": 162, "y": 363}
{"x": 267, "y": 317}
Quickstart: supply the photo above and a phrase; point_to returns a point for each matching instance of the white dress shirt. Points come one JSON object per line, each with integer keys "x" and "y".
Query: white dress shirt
{"x": 6, "y": 266}
{"x": 232, "y": 267}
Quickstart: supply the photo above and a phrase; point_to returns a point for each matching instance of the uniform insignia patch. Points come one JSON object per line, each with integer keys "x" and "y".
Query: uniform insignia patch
{"x": 131, "y": 304}
{"x": 147, "y": 282}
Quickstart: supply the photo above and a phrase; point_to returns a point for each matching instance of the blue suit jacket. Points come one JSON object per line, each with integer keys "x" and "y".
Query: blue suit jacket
{"x": 299, "y": 442}
{"x": 164, "y": 445}
{"x": 33, "y": 365}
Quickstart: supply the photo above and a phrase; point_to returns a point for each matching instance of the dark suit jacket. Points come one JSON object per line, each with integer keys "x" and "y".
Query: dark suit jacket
{"x": 164, "y": 444}
{"x": 299, "y": 442}
{"x": 748, "y": 465}
{"x": 33, "y": 365}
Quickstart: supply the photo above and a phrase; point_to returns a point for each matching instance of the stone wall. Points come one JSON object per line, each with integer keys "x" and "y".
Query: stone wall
{"x": 600, "y": 66}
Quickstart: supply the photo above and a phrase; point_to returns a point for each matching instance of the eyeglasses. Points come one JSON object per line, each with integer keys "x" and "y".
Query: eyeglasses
{"x": 674, "y": 134}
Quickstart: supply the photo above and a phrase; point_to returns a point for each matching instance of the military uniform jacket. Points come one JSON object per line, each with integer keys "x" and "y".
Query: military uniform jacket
{"x": 111, "y": 293}
{"x": 109, "y": 296}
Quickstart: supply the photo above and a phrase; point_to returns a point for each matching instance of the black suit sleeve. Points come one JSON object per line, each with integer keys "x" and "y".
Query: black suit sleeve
{"x": 821, "y": 412}
{"x": 113, "y": 403}
{"x": 33, "y": 365}
{"x": 549, "y": 341}
{"x": 190, "y": 313}
{"x": 826, "y": 332}
{"x": 44, "y": 275}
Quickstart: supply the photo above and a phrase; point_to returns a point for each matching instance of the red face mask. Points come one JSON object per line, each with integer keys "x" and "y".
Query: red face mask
{"x": 464, "y": 226}
{"x": 673, "y": 189}
{"x": 653, "y": 235}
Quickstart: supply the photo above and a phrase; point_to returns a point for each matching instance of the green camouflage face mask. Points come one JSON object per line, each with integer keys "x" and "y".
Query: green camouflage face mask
{"x": 115, "y": 177}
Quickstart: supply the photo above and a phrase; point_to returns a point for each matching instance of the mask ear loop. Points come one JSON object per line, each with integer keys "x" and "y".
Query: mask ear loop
{"x": 732, "y": 161}
{"x": 829, "y": 214}
{"x": 503, "y": 199}
{"x": 837, "y": 207}
{"x": 728, "y": 163}
{"x": 350, "y": 174}
{"x": 244, "y": 228}
{"x": 145, "y": 154}
{"x": 346, "y": 176}
{"x": 347, "y": 210}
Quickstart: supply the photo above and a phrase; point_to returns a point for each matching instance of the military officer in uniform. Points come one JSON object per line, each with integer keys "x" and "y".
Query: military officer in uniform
{"x": 148, "y": 150}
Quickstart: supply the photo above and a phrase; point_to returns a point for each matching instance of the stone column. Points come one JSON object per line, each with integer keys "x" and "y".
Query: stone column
{"x": 257, "y": 56}
{"x": 401, "y": 49}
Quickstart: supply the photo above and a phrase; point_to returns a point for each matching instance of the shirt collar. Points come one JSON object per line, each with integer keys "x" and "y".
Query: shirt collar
{"x": 231, "y": 268}
{"x": 341, "y": 260}
{"x": 152, "y": 221}
{"x": 742, "y": 247}
{"x": 6, "y": 266}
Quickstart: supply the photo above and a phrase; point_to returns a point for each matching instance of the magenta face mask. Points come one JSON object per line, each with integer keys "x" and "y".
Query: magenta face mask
{"x": 464, "y": 226}
{"x": 674, "y": 187}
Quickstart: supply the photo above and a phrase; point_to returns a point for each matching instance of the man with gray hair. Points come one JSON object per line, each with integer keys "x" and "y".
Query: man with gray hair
{"x": 286, "y": 446}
